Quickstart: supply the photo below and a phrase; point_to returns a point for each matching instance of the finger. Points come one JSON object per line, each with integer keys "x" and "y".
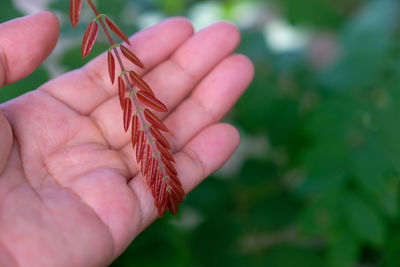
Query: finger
{"x": 175, "y": 78}
{"x": 86, "y": 88}
{"x": 199, "y": 158}
{"x": 24, "y": 44}
{"x": 6, "y": 141}
{"x": 209, "y": 102}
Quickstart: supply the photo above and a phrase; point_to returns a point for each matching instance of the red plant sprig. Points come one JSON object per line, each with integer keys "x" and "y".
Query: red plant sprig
{"x": 153, "y": 151}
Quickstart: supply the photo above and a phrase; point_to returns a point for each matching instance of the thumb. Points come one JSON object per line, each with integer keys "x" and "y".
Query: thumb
{"x": 24, "y": 44}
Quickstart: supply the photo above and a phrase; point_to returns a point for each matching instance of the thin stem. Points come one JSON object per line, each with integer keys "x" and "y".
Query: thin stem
{"x": 130, "y": 87}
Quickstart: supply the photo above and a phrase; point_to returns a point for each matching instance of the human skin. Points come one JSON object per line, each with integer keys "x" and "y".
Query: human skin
{"x": 70, "y": 191}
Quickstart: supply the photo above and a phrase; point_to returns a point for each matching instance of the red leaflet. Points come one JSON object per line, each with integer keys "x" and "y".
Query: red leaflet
{"x": 146, "y": 158}
{"x": 165, "y": 152}
{"x": 173, "y": 177}
{"x": 140, "y": 83}
{"x": 172, "y": 205}
{"x": 131, "y": 56}
{"x": 162, "y": 209}
{"x": 162, "y": 192}
{"x": 159, "y": 137}
{"x": 111, "y": 66}
{"x": 149, "y": 160}
{"x": 114, "y": 27}
{"x": 148, "y": 170}
{"x": 150, "y": 117}
{"x": 135, "y": 129}
{"x": 177, "y": 195}
{"x": 169, "y": 165}
{"x": 150, "y": 101}
{"x": 121, "y": 91}
{"x": 153, "y": 173}
{"x": 75, "y": 7}
{"x": 141, "y": 141}
{"x": 176, "y": 189}
{"x": 157, "y": 183}
{"x": 127, "y": 113}
{"x": 89, "y": 38}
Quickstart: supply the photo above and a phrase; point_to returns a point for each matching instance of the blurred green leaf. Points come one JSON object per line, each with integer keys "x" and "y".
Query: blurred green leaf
{"x": 365, "y": 221}
{"x": 290, "y": 255}
{"x": 8, "y": 11}
{"x": 330, "y": 13}
{"x": 344, "y": 250}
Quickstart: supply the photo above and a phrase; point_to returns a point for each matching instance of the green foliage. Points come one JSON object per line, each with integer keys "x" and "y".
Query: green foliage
{"x": 325, "y": 189}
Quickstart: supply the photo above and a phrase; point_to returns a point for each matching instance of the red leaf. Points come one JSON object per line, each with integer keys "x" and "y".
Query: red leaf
{"x": 165, "y": 152}
{"x": 111, "y": 66}
{"x": 176, "y": 195}
{"x": 75, "y": 7}
{"x": 162, "y": 192}
{"x": 156, "y": 122}
{"x": 177, "y": 189}
{"x": 172, "y": 205}
{"x": 121, "y": 91}
{"x": 140, "y": 83}
{"x": 141, "y": 141}
{"x": 89, "y": 38}
{"x": 150, "y": 101}
{"x": 149, "y": 161}
{"x": 146, "y": 159}
{"x": 131, "y": 56}
{"x": 153, "y": 173}
{"x": 158, "y": 182}
{"x": 114, "y": 27}
{"x": 127, "y": 113}
{"x": 173, "y": 177}
{"x": 163, "y": 208}
{"x": 169, "y": 165}
{"x": 159, "y": 137}
{"x": 135, "y": 130}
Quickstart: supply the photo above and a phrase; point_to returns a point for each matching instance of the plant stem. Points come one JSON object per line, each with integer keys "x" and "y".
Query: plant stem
{"x": 130, "y": 87}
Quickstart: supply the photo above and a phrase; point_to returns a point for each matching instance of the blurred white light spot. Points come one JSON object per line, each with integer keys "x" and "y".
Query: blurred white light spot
{"x": 205, "y": 13}
{"x": 148, "y": 19}
{"x": 189, "y": 219}
{"x": 282, "y": 37}
{"x": 249, "y": 14}
{"x": 31, "y": 6}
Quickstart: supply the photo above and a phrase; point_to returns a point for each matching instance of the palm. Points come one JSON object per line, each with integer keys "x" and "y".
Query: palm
{"x": 71, "y": 184}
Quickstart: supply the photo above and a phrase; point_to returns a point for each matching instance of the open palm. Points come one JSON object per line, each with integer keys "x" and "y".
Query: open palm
{"x": 70, "y": 191}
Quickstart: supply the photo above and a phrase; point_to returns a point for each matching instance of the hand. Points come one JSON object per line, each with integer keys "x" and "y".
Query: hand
{"x": 70, "y": 191}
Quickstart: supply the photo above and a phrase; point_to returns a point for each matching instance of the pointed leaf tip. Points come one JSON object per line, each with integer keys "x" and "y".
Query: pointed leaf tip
{"x": 121, "y": 91}
{"x": 75, "y": 7}
{"x": 140, "y": 83}
{"x": 156, "y": 122}
{"x": 150, "y": 101}
{"x": 89, "y": 38}
{"x": 131, "y": 56}
{"x": 127, "y": 113}
{"x": 111, "y": 66}
{"x": 117, "y": 30}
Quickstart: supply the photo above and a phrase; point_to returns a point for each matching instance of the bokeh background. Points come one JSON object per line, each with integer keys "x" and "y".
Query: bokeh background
{"x": 315, "y": 181}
